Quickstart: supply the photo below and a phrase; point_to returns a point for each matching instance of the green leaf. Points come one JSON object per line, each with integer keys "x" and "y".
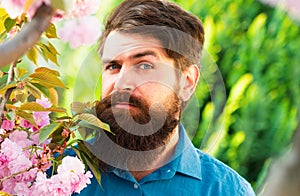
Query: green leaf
{"x": 26, "y": 116}
{"x": 2, "y": 12}
{"x": 53, "y": 96}
{"x": 32, "y": 106}
{"x": 47, "y": 71}
{"x": 52, "y": 53}
{"x": 51, "y": 31}
{"x": 33, "y": 90}
{"x": 78, "y": 107}
{"x": 5, "y": 88}
{"x": 88, "y": 158}
{"x": 20, "y": 72}
{"x": 41, "y": 88}
{"x": 48, "y": 51}
{"x": 47, "y": 80}
{"x": 3, "y": 16}
{"x": 58, "y": 4}
{"x": 9, "y": 23}
{"x": 46, "y": 131}
{"x": 32, "y": 55}
{"x": 93, "y": 120}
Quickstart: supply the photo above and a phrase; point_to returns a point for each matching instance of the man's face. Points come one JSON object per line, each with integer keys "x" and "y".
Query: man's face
{"x": 141, "y": 97}
{"x": 138, "y": 65}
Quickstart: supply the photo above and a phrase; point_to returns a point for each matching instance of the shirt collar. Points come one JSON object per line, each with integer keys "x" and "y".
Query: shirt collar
{"x": 186, "y": 159}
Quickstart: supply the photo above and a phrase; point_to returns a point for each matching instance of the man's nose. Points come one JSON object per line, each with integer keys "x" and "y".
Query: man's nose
{"x": 125, "y": 80}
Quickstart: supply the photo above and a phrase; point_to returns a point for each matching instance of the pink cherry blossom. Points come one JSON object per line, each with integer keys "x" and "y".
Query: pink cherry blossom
{"x": 73, "y": 171}
{"x": 44, "y": 102}
{"x": 4, "y": 171}
{"x": 10, "y": 149}
{"x": 81, "y": 31}
{"x": 9, "y": 185}
{"x": 24, "y": 123}
{"x": 14, "y": 8}
{"x": 8, "y": 125}
{"x": 20, "y": 138}
{"x": 21, "y": 189}
{"x": 41, "y": 118}
{"x": 82, "y": 8}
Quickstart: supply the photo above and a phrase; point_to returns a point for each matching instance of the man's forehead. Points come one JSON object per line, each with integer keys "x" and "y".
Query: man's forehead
{"x": 118, "y": 43}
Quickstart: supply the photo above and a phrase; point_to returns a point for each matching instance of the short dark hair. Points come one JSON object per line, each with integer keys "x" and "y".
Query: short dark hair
{"x": 180, "y": 33}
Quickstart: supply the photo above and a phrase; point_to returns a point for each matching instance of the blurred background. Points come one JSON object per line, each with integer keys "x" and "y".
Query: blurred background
{"x": 246, "y": 107}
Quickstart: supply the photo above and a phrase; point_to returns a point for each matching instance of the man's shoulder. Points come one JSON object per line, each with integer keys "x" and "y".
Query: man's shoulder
{"x": 215, "y": 172}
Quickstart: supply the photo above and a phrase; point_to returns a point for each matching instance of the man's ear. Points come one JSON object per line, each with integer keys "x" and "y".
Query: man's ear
{"x": 190, "y": 78}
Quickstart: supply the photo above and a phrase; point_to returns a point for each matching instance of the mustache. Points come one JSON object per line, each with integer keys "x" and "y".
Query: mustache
{"x": 121, "y": 97}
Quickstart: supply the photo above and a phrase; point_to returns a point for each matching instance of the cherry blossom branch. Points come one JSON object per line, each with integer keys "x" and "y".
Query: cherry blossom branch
{"x": 11, "y": 75}
{"x": 15, "y": 174}
{"x": 11, "y": 50}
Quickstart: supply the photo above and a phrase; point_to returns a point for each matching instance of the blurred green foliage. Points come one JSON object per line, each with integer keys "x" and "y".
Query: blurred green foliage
{"x": 256, "y": 48}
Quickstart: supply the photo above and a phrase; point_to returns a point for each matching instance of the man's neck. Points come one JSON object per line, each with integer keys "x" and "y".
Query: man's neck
{"x": 163, "y": 158}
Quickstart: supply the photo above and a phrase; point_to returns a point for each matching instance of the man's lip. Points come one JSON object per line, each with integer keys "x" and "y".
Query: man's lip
{"x": 123, "y": 105}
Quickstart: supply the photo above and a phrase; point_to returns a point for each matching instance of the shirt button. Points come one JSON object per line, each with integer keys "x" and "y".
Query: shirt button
{"x": 135, "y": 186}
{"x": 168, "y": 171}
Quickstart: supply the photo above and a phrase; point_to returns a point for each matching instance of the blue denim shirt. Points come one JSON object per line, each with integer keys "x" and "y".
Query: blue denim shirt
{"x": 191, "y": 172}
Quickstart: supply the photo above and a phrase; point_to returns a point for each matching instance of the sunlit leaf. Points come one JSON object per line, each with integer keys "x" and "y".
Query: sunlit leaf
{"x": 2, "y": 193}
{"x": 33, "y": 90}
{"x": 42, "y": 89}
{"x": 47, "y": 71}
{"x": 46, "y": 131}
{"x": 32, "y": 55}
{"x": 52, "y": 53}
{"x": 78, "y": 107}
{"x": 4, "y": 89}
{"x": 32, "y": 106}
{"x": 3, "y": 16}
{"x": 47, "y": 80}
{"x": 51, "y": 31}
{"x": 10, "y": 107}
{"x": 53, "y": 96}
{"x": 19, "y": 95}
{"x": 93, "y": 120}
{"x": 27, "y": 116}
{"x": 58, "y": 4}
{"x": 2, "y": 12}
{"x": 20, "y": 72}
{"x": 48, "y": 51}
{"x": 9, "y": 23}
{"x": 53, "y": 109}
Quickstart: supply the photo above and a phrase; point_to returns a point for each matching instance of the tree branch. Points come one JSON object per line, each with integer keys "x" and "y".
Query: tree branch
{"x": 11, "y": 76}
{"x": 11, "y": 50}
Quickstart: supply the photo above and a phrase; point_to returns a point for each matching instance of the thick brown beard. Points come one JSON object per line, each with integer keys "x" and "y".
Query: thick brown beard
{"x": 119, "y": 119}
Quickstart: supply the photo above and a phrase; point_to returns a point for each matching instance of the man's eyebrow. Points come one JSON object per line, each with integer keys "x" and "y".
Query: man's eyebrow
{"x": 145, "y": 53}
{"x": 134, "y": 56}
{"x": 109, "y": 61}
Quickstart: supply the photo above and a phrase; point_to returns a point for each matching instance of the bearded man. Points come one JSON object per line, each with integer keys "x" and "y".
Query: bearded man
{"x": 150, "y": 52}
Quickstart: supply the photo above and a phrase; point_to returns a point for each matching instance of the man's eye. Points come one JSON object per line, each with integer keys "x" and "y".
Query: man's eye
{"x": 145, "y": 66}
{"x": 112, "y": 67}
